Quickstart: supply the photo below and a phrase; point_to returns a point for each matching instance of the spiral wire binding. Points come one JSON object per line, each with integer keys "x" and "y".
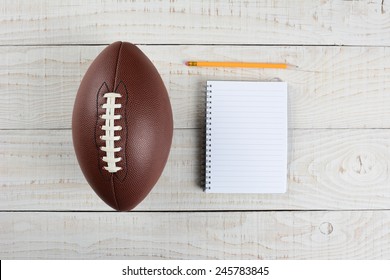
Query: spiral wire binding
{"x": 208, "y": 144}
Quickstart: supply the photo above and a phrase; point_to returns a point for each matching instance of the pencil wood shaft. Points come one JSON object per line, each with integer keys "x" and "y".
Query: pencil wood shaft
{"x": 237, "y": 64}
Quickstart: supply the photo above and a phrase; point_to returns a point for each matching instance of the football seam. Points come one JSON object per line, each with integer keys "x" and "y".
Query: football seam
{"x": 127, "y": 131}
{"x": 114, "y": 87}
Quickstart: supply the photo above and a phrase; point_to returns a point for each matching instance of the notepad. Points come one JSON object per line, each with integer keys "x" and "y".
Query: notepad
{"x": 246, "y": 137}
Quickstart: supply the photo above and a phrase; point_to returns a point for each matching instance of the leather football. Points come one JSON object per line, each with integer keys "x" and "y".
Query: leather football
{"x": 122, "y": 125}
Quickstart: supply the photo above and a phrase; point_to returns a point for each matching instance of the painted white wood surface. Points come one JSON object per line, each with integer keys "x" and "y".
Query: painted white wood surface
{"x": 334, "y": 87}
{"x": 309, "y": 22}
{"x": 225, "y": 235}
{"x": 341, "y": 169}
{"x": 339, "y": 138}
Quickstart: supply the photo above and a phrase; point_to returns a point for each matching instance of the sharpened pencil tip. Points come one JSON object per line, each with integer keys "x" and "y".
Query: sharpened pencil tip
{"x": 292, "y": 66}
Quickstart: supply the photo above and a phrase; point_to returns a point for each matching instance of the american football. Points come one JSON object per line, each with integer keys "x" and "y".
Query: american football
{"x": 122, "y": 125}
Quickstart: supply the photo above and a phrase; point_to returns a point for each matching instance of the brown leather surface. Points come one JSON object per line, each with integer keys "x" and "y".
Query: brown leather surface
{"x": 147, "y": 125}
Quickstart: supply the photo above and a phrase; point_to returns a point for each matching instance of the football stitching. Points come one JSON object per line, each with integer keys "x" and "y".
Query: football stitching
{"x": 110, "y": 128}
{"x": 97, "y": 122}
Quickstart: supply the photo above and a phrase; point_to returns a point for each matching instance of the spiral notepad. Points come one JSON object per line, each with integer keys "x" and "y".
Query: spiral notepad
{"x": 246, "y": 137}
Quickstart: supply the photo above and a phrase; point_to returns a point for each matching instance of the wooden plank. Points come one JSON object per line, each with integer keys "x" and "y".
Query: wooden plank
{"x": 334, "y": 87}
{"x": 234, "y": 235}
{"x": 328, "y": 169}
{"x": 195, "y": 22}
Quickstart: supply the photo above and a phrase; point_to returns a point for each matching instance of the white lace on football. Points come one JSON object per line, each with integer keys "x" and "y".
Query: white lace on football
{"x": 110, "y": 129}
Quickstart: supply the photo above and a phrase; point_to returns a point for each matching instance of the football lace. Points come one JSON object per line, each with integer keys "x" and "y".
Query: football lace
{"x": 109, "y": 127}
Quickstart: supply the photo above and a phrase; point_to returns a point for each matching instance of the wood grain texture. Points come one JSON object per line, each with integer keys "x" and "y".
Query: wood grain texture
{"x": 337, "y": 202}
{"x": 207, "y": 235}
{"x": 195, "y": 22}
{"x": 334, "y": 87}
{"x": 328, "y": 169}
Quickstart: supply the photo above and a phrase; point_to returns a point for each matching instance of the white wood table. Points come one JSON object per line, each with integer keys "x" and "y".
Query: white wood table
{"x": 338, "y": 199}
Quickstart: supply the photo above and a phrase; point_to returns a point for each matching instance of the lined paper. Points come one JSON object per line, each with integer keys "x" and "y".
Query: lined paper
{"x": 246, "y": 137}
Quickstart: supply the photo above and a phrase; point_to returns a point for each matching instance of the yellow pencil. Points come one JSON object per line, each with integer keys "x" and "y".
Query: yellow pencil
{"x": 238, "y": 64}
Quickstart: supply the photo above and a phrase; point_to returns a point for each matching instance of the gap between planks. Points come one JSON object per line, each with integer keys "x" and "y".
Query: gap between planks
{"x": 200, "y": 45}
{"x": 195, "y": 211}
